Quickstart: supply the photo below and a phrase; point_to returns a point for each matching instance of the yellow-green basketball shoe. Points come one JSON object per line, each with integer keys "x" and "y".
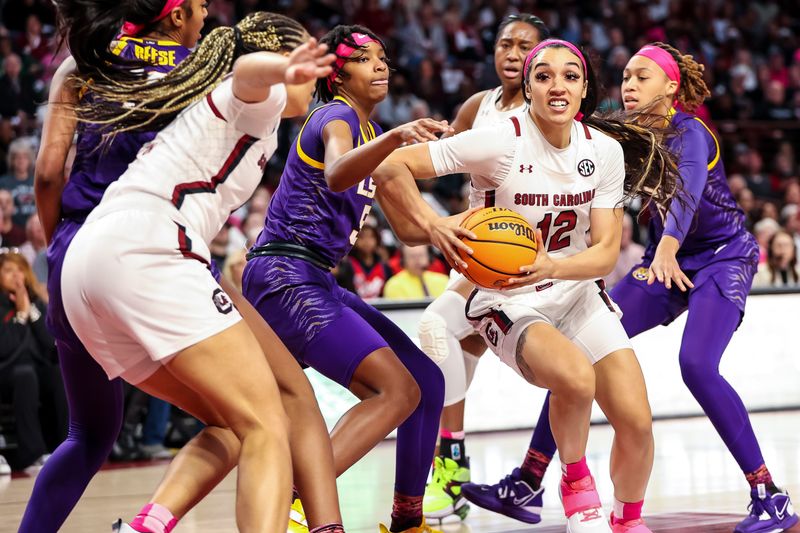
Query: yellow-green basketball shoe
{"x": 297, "y": 518}
{"x": 443, "y": 500}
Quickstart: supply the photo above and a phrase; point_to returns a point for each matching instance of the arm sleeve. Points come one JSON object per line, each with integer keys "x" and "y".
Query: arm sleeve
{"x": 610, "y": 187}
{"x": 257, "y": 119}
{"x": 485, "y": 153}
{"x": 693, "y": 169}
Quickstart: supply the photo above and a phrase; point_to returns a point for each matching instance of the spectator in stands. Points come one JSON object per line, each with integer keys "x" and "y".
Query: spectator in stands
{"x": 19, "y": 180}
{"x": 780, "y": 269}
{"x": 28, "y": 361}
{"x": 33, "y": 42}
{"x": 35, "y": 250}
{"x": 775, "y": 105}
{"x": 415, "y": 281}
{"x": 17, "y": 95}
{"x": 369, "y": 268}
{"x": 630, "y": 253}
{"x": 10, "y": 233}
{"x": 764, "y": 230}
{"x": 397, "y": 107}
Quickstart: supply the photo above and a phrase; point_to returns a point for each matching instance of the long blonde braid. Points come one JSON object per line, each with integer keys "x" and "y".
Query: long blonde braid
{"x": 119, "y": 104}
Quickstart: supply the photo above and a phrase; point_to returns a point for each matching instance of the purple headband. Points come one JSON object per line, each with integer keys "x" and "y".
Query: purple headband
{"x": 550, "y": 42}
{"x": 664, "y": 60}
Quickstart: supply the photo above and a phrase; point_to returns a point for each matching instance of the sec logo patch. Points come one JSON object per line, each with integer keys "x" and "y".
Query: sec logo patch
{"x": 640, "y": 274}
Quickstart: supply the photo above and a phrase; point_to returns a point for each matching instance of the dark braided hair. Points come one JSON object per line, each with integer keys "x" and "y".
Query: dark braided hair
{"x": 125, "y": 105}
{"x": 526, "y": 18}
{"x": 88, "y": 27}
{"x": 341, "y": 34}
{"x": 693, "y": 90}
{"x": 650, "y": 169}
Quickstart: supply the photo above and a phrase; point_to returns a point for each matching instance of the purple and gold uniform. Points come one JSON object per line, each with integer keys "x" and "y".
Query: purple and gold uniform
{"x": 720, "y": 256}
{"x": 95, "y": 403}
{"x": 308, "y": 230}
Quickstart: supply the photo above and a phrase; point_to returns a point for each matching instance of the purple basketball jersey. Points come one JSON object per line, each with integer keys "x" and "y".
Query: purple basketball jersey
{"x": 304, "y": 210}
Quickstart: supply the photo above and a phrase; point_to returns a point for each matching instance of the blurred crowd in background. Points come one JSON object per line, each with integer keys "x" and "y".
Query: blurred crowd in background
{"x": 441, "y": 52}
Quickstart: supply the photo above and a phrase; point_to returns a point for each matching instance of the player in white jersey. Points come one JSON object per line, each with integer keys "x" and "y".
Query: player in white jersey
{"x": 554, "y": 324}
{"x": 444, "y": 332}
{"x": 138, "y": 288}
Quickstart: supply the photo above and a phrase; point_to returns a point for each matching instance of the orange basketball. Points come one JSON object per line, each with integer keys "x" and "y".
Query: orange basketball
{"x": 505, "y": 241}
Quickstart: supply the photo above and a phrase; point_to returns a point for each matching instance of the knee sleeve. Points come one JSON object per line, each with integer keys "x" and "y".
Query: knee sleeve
{"x": 441, "y": 327}
{"x": 444, "y": 318}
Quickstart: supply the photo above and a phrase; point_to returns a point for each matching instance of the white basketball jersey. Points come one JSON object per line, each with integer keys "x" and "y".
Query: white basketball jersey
{"x": 207, "y": 162}
{"x": 514, "y": 166}
{"x": 487, "y": 115}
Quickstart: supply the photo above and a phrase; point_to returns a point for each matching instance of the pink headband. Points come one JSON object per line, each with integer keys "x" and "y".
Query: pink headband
{"x": 664, "y": 60}
{"x": 344, "y": 51}
{"x": 131, "y": 30}
{"x": 550, "y": 42}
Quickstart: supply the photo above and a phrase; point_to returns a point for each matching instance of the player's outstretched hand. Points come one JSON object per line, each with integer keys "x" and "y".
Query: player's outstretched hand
{"x": 422, "y": 130}
{"x": 445, "y": 234}
{"x": 309, "y": 61}
{"x": 665, "y": 268}
{"x": 542, "y": 268}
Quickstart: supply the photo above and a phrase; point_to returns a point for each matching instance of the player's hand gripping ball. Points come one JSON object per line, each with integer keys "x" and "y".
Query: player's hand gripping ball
{"x": 505, "y": 241}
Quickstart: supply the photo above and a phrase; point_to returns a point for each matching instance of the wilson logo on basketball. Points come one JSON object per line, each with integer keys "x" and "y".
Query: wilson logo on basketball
{"x": 586, "y": 168}
{"x": 518, "y": 229}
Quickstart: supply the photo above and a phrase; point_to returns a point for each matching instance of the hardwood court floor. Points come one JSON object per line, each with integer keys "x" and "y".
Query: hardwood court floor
{"x": 696, "y": 486}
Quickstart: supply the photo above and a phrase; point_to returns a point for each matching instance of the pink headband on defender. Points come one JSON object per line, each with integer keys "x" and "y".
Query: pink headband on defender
{"x": 664, "y": 60}
{"x": 550, "y": 42}
{"x": 344, "y": 51}
{"x": 131, "y": 30}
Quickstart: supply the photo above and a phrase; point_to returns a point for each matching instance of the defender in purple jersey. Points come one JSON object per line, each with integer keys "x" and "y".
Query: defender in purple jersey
{"x": 701, "y": 259}
{"x": 95, "y": 403}
{"x": 323, "y": 199}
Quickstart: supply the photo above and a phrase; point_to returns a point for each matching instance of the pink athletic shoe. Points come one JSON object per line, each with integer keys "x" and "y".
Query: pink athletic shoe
{"x": 631, "y": 526}
{"x": 582, "y": 507}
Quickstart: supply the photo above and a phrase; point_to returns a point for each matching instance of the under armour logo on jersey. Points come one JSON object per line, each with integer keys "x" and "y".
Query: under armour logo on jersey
{"x": 221, "y": 301}
{"x": 586, "y": 168}
{"x": 526, "y": 168}
{"x": 262, "y": 162}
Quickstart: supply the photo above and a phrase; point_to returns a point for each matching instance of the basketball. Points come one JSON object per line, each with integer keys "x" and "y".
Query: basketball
{"x": 504, "y": 242}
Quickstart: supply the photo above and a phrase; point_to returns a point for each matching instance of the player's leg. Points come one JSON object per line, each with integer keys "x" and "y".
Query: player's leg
{"x": 95, "y": 418}
{"x": 249, "y": 404}
{"x": 549, "y": 359}
{"x": 308, "y": 438}
{"x": 450, "y": 340}
{"x": 643, "y": 307}
{"x": 416, "y": 434}
{"x": 315, "y": 480}
{"x": 95, "y": 410}
{"x": 710, "y": 324}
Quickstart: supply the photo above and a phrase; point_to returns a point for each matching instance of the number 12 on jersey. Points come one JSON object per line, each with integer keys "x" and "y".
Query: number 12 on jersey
{"x": 564, "y": 223}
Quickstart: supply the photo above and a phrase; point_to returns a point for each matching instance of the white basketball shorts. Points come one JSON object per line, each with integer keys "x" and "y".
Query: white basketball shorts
{"x": 581, "y": 310}
{"x": 137, "y": 290}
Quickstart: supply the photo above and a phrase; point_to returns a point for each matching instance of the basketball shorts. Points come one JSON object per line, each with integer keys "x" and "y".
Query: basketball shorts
{"x": 137, "y": 289}
{"x": 581, "y": 310}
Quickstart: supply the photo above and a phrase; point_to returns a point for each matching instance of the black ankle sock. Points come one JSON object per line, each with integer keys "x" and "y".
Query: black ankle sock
{"x": 453, "y": 449}
{"x": 530, "y": 479}
{"x": 401, "y": 523}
